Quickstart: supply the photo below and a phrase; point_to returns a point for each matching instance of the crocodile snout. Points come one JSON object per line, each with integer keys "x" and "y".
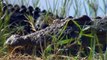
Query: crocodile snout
{"x": 12, "y": 40}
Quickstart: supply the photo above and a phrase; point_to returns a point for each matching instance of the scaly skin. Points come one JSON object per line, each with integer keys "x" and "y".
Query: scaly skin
{"x": 16, "y": 40}
{"x": 34, "y": 39}
{"x": 45, "y": 35}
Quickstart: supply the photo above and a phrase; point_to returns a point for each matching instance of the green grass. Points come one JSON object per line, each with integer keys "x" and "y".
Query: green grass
{"x": 62, "y": 10}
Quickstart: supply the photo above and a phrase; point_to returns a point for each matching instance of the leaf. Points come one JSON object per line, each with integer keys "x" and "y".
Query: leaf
{"x": 62, "y": 42}
{"x": 48, "y": 48}
{"x": 88, "y": 35}
{"x": 77, "y": 24}
{"x": 86, "y": 28}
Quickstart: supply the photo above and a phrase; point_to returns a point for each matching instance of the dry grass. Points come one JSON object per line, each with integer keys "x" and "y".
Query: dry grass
{"x": 20, "y": 57}
{"x": 51, "y": 57}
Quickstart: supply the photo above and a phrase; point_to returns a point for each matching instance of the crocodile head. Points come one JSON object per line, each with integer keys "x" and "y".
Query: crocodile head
{"x": 15, "y": 40}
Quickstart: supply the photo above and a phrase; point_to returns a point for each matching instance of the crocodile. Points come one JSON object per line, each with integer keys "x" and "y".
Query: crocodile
{"x": 42, "y": 38}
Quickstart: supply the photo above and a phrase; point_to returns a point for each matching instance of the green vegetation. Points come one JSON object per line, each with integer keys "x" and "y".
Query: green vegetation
{"x": 62, "y": 10}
